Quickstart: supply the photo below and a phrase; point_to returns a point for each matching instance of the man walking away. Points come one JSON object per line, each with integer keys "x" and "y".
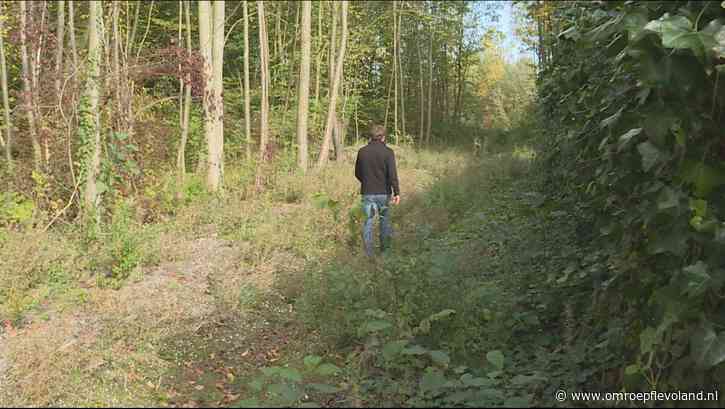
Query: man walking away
{"x": 378, "y": 176}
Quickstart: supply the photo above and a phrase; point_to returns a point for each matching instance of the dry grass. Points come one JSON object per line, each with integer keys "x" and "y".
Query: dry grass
{"x": 216, "y": 258}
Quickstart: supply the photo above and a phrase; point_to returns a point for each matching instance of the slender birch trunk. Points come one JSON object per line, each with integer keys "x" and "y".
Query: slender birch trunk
{"x": 247, "y": 103}
{"x": 186, "y": 108}
{"x": 333, "y": 41}
{"x": 27, "y": 86}
{"x": 264, "y": 54}
{"x": 216, "y": 139}
{"x": 430, "y": 87}
{"x": 205, "y": 45}
{"x": 421, "y": 92}
{"x": 60, "y": 36}
{"x": 402, "y": 79}
{"x": 304, "y": 85}
{"x": 6, "y": 103}
{"x": 318, "y": 57}
{"x": 325, "y": 150}
{"x": 72, "y": 34}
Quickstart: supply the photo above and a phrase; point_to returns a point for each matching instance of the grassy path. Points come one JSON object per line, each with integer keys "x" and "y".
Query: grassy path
{"x": 244, "y": 284}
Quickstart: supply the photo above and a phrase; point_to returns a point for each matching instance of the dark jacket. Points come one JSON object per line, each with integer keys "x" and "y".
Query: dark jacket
{"x": 375, "y": 169}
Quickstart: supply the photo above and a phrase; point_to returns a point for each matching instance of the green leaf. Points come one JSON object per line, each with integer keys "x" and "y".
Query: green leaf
{"x": 650, "y": 155}
{"x": 674, "y": 30}
{"x": 707, "y": 347}
{"x": 611, "y": 120}
{"x": 285, "y": 391}
{"x": 523, "y": 380}
{"x": 460, "y": 396}
{"x": 378, "y": 325}
{"x": 667, "y": 199}
{"x": 647, "y": 340}
{"x": 631, "y": 369}
{"x": 699, "y": 207}
{"x": 414, "y": 350}
{"x": 311, "y": 361}
{"x": 256, "y": 384}
{"x": 393, "y": 348}
{"x": 327, "y": 369}
{"x": 469, "y": 381}
{"x": 271, "y": 371}
{"x": 625, "y": 138}
{"x": 698, "y": 280}
{"x": 440, "y": 357}
{"x": 718, "y": 43}
{"x": 290, "y": 374}
{"x": 432, "y": 381}
{"x": 634, "y": 22}
{"x": 704, "y": 177}
{"x": 496, "y": 359}
{"x": 379, "y": 314}
{"x": 441, "y": 315}
{"x": 674, "y": 242}
{"x": 101, "y": 187}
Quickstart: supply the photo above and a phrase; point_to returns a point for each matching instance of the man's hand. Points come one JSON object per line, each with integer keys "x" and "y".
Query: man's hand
{"x": 396, "y": 199}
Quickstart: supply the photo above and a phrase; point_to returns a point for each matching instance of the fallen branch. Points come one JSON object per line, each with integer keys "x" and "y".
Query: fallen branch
{"x": 70, "y": 201}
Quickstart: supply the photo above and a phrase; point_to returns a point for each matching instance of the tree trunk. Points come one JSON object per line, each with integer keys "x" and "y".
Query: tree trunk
{"x": 60, "y": 36}
{"x": 402, "y": 79}
{"x": 325, "y": 150}
{"x": 338, "y": 139}
{"x": 318, "y": 57}
{"x": 333, "y": 43}
{"x": 247, "y": 103}
{"x": 116, "y": 82}
{"x": 278, "y": 32}
{"x": 91, "y": 119}
{"x": 216, "y": 139}
{"x": 304, "y": 85}
{"x": 6, "y": 102}
{"x": 421, "y": 93}
{"x": 205, "y": 46}
{"x": 28, "y": 93}
{"x": 35, "y": 66}
{"x": 132, "y": 36}
{"x": 291, "y": 79}
{"x": 395, "y": 72}
{"x": 430, "y": 87}
{"x": 387, "y": 100}
{"x": 264, "y": 114}
{"x": 72, "y": 34}
{"x": 148, "y": 27}
{"x": 460, "y": 76}
{"x": 186, "y": 108}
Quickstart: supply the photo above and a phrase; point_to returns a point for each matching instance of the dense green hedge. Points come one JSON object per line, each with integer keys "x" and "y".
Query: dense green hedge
{"x": 635, "y": 133}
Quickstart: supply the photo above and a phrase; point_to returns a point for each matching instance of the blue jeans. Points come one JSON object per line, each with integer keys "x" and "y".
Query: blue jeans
{"x": 373, "y": 204}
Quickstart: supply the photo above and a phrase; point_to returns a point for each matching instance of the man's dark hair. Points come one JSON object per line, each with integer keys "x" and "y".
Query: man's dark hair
{"x": 377, "y": 132}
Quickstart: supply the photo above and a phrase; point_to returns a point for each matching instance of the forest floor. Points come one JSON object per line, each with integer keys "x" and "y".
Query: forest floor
{"x": 221, "y": 300}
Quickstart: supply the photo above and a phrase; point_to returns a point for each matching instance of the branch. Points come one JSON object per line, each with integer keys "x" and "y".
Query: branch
{"x": 148, "y": 106}
{"x": 230, "y": 30}
{"x": 148, "y": 27}
{"x": 70, "y": 201}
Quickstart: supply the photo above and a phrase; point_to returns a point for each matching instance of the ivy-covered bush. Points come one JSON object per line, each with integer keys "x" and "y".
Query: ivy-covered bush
{"x": 633, "y": 98}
